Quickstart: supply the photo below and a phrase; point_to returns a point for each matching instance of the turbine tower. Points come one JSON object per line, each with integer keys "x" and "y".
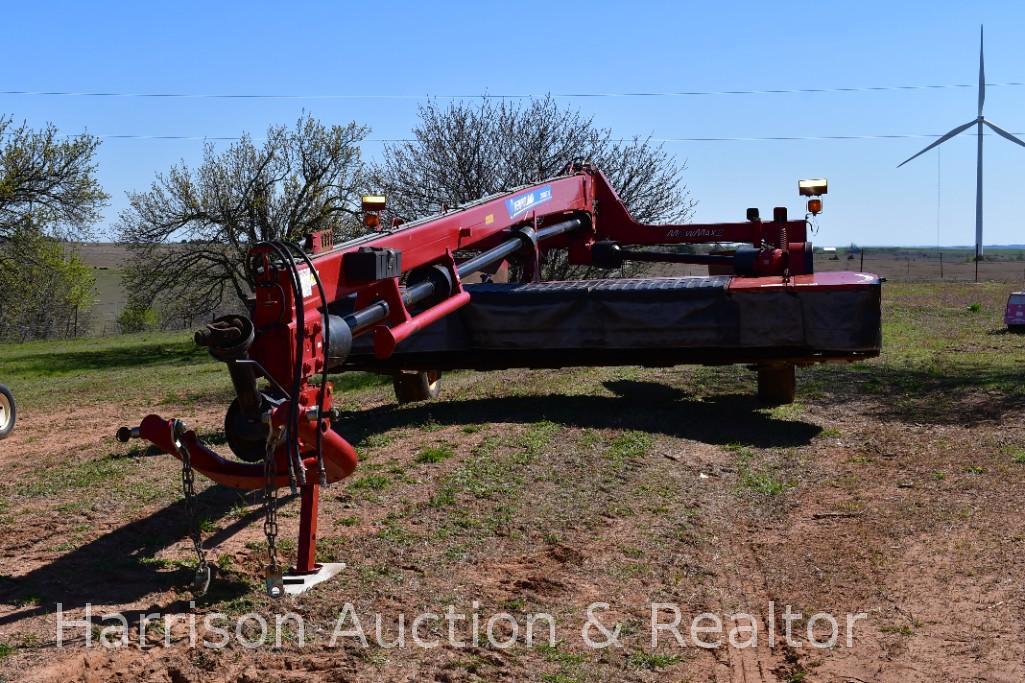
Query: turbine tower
{"x": 978, "y": 122}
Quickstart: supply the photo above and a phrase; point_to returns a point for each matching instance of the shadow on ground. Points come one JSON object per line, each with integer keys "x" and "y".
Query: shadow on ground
{"x": 645, "y": 406}
{"x": 112, "y": 569}
{"x": 118, "y": 358}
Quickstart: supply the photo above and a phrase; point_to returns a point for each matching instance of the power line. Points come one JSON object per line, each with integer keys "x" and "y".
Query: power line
{"x": 486, "y": 95}
{"x": 128, "y": 136}
{"x": 774, "y": 138}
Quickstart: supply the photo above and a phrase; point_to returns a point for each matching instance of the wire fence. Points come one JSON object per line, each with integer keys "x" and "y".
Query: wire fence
{"x": 938, "y": 265}
{"x": 900, "y": 265}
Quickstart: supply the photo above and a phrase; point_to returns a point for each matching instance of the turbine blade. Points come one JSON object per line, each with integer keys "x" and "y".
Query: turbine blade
{"x": 982, "y": 75}
{"x": 1004, "y": 134}
{"x": 943, "y": 139}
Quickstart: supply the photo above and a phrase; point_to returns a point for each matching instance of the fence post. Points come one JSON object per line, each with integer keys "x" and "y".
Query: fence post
{"x": 861, "y": 269}
{"x": 941, "y": 265}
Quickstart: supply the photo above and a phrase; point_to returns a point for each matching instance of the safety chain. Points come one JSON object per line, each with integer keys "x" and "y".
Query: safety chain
{"x": 784, "y": 240}
{"x": 320, "y": 437}
{"x": 201, "y": 580}
{"x": 275, "y": 584}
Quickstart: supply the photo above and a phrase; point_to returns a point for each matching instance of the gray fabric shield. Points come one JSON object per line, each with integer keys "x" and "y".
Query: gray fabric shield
{"x": 635, "y": 315}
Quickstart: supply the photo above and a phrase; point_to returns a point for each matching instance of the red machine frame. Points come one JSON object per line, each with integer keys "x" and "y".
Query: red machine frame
{"x": 576, "y": 212}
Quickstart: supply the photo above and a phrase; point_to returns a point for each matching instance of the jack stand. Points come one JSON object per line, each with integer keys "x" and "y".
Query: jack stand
{"x": 307, "y": 573}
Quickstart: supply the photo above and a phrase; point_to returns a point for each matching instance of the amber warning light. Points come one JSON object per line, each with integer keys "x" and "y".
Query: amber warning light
{"x": 373, "y": 204}
{"x": 814, "y": 188}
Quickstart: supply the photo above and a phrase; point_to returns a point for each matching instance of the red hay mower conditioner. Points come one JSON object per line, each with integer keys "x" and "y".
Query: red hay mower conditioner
{"x": 398, "y": 301}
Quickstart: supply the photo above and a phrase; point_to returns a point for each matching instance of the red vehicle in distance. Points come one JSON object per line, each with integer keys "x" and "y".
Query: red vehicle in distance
{"x": 1014, "y": 314}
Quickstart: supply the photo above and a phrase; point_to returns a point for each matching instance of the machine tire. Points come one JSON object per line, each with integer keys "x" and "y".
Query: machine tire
{"x": 8, "y": 411}
{"x": 777, "y": 384}
{"x": 413, "y": 386}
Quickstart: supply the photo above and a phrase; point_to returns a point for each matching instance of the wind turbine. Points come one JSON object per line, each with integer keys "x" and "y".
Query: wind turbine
{"x": 979, "y": 122}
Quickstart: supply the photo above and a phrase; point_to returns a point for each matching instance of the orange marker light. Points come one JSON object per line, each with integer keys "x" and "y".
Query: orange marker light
{"x": 815, "y": 206}
{"x": 374, "y": 202}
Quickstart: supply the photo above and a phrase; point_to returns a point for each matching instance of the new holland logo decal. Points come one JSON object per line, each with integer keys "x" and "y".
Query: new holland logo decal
{"x": 518, "y": 206}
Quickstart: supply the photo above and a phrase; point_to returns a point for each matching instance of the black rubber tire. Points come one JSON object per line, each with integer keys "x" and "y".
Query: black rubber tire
{"x": 8, "y": 411}
{"x": 413, "y": 386}
{"x": 777, "y": 384}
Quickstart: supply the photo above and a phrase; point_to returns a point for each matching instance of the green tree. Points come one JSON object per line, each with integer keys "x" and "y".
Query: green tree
{"x": 45, "y": 289}
{"x": 48, "y": 181}
{"x": 136, "y": 317}
{"x": 48, "y": 192}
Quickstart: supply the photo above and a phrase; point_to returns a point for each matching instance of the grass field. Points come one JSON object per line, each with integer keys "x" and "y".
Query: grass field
{"x": 891, "y": 487}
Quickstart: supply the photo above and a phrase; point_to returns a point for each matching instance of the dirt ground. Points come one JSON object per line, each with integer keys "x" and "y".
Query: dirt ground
{"x": 890, "y": 491}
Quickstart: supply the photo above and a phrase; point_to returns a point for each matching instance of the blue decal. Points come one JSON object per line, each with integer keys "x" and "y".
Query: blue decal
{"x": 526, "y": 202}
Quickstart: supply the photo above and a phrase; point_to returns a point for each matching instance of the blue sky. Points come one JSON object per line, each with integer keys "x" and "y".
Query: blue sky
{"x": 435, "y": 48}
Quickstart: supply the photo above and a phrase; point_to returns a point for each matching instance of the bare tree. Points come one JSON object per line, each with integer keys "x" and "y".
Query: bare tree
{"x": 192, "y": 229}
{"x": 47, "y": 181}
{"x": 463, "y": 151}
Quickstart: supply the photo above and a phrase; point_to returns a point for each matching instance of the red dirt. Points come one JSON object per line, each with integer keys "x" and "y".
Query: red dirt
{"x": 551, "y": 518}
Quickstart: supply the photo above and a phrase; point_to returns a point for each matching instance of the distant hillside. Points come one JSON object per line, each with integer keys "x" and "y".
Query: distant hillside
{"x": 107, "y": 260}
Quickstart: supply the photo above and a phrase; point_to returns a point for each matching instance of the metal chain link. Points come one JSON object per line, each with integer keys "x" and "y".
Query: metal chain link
{"x": 321, "y": 470}
{"x": 784, "y": 240}
{"x": 275, "y": 585}
{"x": 201, "y": 580}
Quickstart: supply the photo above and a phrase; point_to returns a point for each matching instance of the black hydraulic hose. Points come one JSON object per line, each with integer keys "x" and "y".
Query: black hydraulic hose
{"x": 378, "y": 311}
{"x": 294, "y": 462}
{"x": 561, "y": 228}
{"x": 416, "y": 293}
{"x": 365, "y": 317}
{"x": 510, "y": 247}
{"x": 485, "y": 259}
{"x": 323, "y": 376}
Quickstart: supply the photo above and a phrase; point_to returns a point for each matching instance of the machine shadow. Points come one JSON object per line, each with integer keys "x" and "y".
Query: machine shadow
{"x": 643, "y": 406}
{"x": 112, "y": 570}
{"x": 145, "y": 355}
